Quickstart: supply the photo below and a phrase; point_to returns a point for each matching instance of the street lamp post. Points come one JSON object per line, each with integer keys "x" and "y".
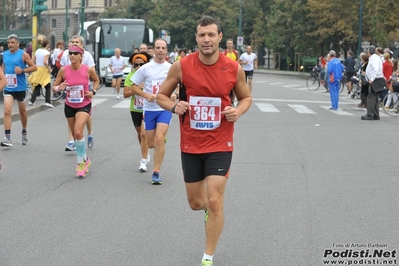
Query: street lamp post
{"x": 4, "y": 14}
{"x": 66, "y": 21}
{"x": 82, "y": 14}
{"x": 240, "y": 20}
{"x": 359, "y": 35}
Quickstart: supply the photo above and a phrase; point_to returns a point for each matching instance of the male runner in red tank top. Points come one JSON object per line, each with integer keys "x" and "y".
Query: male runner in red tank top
{"x": 207, "y": 118}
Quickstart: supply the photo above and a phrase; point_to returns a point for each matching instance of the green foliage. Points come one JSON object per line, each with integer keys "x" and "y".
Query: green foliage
{"x": 308, "y": 27}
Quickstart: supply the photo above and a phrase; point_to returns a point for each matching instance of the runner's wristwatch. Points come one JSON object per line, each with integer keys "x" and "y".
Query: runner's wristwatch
{"x": 173, "y": 108}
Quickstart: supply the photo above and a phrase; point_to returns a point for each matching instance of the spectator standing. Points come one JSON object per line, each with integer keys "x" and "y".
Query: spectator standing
{"x": 373, "y": 71}
{"x": 364, "y": 58}
{"x": 42, "y": 77}
{"x": 349, "y": 64}
{"x": 334, "y": 73}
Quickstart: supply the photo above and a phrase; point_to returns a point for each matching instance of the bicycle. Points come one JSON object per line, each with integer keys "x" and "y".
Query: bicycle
{"x": 314, "y": 81}
{"x": 392, "y": 98}
{"x": 53, "y": 96}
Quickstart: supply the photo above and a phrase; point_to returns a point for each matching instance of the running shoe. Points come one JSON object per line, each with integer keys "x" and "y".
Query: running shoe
{"x": 143, "y": 166}
{"x": 117, "y": 97}
{"x": 90, "y": 141}
{"x": 87, "y": 163}
{"x": 49, "y": 105}
{"x": 156, "y": 179}
{"x": 30, "y": 103}
{"x": 24, "y": 139}
{"x": 70, "y": 146}
{"x": 6, "y": 142}
{"x": 81, "y": 170}
{"x": 206, "y": 263}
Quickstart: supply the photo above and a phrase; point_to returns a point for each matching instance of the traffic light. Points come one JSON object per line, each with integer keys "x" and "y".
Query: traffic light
{"x": 38, "y": 6}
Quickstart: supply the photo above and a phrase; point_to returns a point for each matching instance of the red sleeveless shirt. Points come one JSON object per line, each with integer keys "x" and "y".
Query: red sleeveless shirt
{"x": 207, "y": 88}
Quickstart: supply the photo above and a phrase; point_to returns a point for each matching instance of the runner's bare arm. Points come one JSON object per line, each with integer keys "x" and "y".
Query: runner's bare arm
{"x": 93, "y": 77}
{"x": 243, "y": 96}
{"x": 31, "y": 65}
{"x": 3, "y": 81}
{"x": 168, "y": 87}
{"x": 59, "y": 79}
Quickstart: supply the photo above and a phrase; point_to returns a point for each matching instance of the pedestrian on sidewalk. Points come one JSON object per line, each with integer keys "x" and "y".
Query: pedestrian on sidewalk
{"x": 42, "y": 77}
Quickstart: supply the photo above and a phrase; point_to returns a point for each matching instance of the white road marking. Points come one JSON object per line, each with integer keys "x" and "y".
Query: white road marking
{"x": 337, "y": 112}
{"x": 267, "y": 108}
{"x": 302, "y": 109}
{"x": 122, "y": 104}
{"x": 96, "y": 102}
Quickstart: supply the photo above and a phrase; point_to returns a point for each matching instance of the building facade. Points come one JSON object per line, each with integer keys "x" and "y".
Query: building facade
{"x": 62, "y": 19}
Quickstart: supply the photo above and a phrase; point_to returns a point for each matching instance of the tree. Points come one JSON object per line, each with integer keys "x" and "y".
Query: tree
{"x": 258, "y": 35}
{"x": 180, "y": 17}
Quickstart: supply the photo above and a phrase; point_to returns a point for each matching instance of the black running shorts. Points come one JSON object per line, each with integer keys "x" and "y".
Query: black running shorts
{"x": 137, "y": 118}
{"x": 20, "y": 96}
{"x": 196, "y": 167}
{"x": 71, "y": 112}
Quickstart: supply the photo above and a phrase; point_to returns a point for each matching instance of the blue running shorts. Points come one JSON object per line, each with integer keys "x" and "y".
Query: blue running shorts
{"x": 152, "y": 118}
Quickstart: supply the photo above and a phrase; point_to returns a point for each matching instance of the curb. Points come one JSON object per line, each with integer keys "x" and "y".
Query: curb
{"x": 30, "y": 111}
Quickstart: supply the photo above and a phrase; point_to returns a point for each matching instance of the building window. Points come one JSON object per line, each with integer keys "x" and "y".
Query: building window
{"x": 54, "y": 23}
{"x": 54, "y": 4}
{"x": 27, "y": 4}
{"x": 107, "y": 3}
{"x": 86, "y": 3}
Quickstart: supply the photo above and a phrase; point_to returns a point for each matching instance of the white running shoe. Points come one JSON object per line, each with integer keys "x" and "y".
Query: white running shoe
{"x": 49, "y": 105}
{"x": 143, "y": 166}
{"x": 117, "y": 97}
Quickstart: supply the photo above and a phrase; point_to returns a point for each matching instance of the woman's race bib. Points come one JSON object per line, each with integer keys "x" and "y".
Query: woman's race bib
{"x": 11, "y": 80}
{"x": 205, "y": 112}
{"x": 138, "y": 102}
{"x": 75, "y": 94}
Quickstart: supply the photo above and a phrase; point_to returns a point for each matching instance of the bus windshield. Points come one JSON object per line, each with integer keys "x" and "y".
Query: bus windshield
{"x": 123, "y": 36}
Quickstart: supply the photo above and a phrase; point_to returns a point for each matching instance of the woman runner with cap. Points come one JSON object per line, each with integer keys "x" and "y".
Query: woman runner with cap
{"x": 136, "y": 106}
{"x": 74, "y": 78}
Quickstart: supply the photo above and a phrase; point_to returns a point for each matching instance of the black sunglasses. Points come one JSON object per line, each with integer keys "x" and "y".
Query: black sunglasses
{"x": 73, "y": 53}
{"x": 141, "y": 64}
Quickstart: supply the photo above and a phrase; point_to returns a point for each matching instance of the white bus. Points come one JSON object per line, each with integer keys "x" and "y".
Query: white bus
{"x": 107, "y": 34}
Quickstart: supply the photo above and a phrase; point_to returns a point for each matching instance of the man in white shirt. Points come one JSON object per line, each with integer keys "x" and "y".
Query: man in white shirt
{"x": 373, "y": 71}
{"x": 156, "y": 119}
{"x": 249, "y": 62}
{"x": 173, "y": 55}
{"x": 117, "y": 65}
{"x": 89, "y": 61}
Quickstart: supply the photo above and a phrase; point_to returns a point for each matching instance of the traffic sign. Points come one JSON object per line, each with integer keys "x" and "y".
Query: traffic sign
{"x": 240, "y": 41}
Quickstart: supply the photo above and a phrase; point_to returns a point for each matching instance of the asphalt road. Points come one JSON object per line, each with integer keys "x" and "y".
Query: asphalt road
{"x": 306, "y": 185}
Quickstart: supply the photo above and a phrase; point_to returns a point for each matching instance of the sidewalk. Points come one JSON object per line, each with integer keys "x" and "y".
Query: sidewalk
{"x": 38, "y": 107}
